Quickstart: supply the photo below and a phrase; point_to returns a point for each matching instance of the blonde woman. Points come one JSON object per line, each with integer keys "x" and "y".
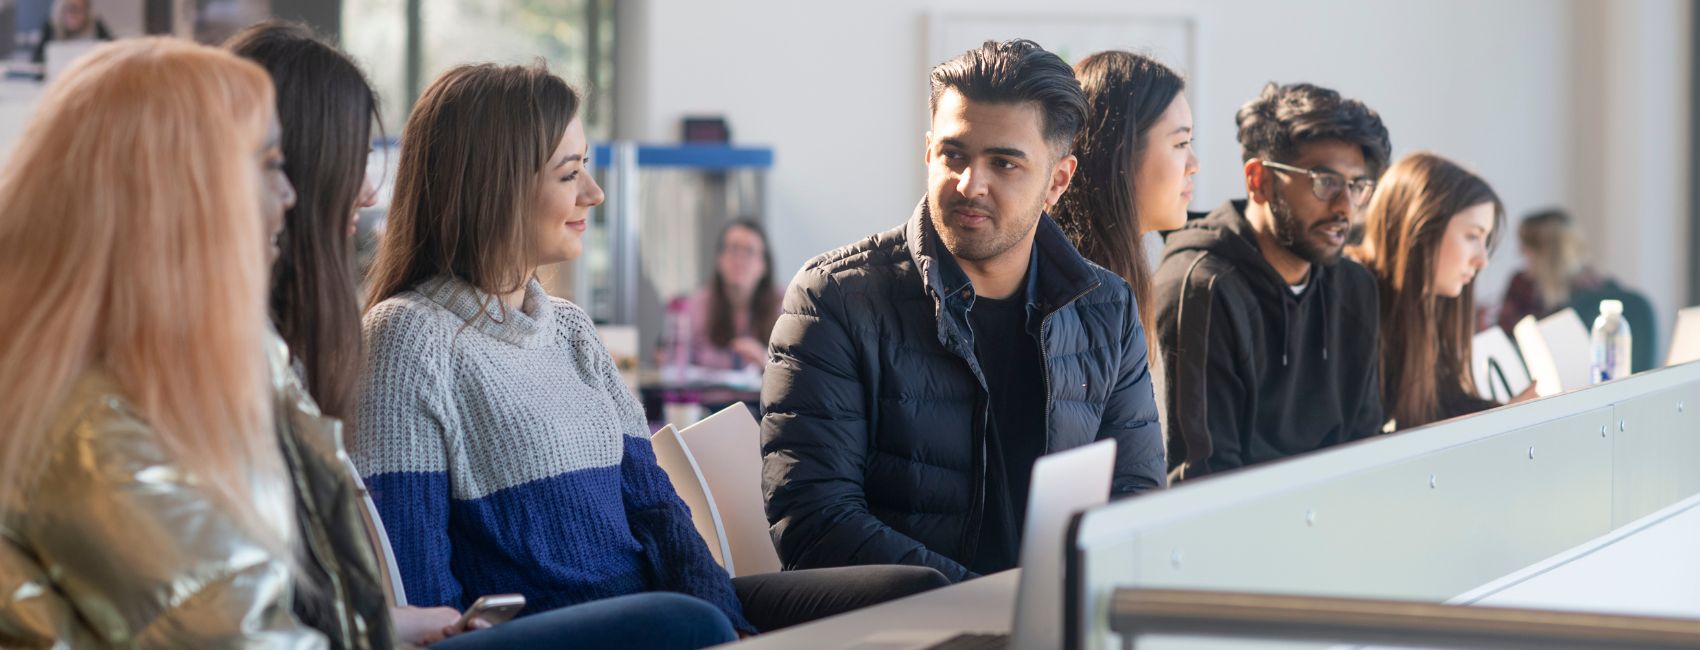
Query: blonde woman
{"x": 1551, "y": 246}
{"x": 143, "y": 500}
{"x": 70, "y": 20}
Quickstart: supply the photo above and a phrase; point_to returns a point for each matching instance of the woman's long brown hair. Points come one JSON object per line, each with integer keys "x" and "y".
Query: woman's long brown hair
{"x": 1425, "y": 338}
{"x": 326, "y": 108}
{"x": 1126, "y": 94}
{"x": 470, "y": 154}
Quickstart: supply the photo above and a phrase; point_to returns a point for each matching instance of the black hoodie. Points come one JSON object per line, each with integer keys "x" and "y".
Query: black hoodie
{"x": 1253, "y": 372}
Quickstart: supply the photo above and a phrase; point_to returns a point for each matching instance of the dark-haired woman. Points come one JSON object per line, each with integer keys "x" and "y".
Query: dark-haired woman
{"x": 1135, "y": 172}
{"x": 731, "y": 318}
{"x": 326, "y": 108}
{"x": 1428, "y": 231}
{"x": 1136, "y": 165}
{"x": 501, "y": 447}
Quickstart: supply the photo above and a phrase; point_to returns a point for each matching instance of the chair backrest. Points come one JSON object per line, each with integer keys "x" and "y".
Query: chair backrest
{"x": 1637, "y": 311}
{"x": 393, "y": 587}
{"x": 675, "y": 459}
{"x": 1497, "y": 368}
{"x": 727, "y": 450}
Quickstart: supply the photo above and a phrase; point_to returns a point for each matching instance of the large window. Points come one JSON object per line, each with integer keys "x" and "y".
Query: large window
{"x": 404, "y": 44}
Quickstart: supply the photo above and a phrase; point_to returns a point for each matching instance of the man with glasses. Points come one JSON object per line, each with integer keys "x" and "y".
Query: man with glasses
{"x": 1268, "y": 336}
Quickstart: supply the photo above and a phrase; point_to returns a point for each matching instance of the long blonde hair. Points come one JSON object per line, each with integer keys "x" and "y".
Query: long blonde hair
{"x": 131, "y": 240}
{"x": 1555, "y": 254}
{"x": 58, "y": 26}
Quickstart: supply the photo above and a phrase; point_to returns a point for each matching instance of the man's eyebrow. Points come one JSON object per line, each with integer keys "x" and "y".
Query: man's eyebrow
{"x": 1007, "y": 152}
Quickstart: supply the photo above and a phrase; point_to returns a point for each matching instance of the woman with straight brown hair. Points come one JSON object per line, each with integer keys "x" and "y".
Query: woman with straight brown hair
{"x": 1428, "y": 231}
{"x": 143, "y": 499}
{"x": 500, "y": 444}
{"x": 327, "y": 110}
{"x": 1136, "y": 166}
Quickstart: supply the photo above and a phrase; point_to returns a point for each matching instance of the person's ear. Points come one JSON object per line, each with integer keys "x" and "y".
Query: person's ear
{"x": 1061, "y": 173}
{"x": 927, "y": 148}
{"x": 1257, "y": 182}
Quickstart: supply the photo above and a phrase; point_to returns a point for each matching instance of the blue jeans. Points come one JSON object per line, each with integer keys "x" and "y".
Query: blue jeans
{"x": 658, "y": 620}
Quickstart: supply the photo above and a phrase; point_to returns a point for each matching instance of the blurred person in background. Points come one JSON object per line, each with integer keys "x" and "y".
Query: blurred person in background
{"x": 70, "y": 20}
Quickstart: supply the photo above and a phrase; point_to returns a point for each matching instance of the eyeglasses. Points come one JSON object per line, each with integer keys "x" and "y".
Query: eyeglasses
{"x": 1326, "y": 186}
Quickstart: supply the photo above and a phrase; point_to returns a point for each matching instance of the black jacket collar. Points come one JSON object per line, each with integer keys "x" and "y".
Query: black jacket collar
{"x": 1059, "y": 276}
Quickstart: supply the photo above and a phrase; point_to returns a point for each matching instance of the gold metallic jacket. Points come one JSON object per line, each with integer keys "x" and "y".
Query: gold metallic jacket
{"x": 118, "y": 548}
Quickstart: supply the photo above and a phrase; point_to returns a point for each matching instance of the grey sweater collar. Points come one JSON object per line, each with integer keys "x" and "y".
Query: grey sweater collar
{"x": 531, "y": 326}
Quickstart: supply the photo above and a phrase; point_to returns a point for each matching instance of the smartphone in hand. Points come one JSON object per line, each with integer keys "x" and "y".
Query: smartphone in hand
{"x": 494, "y": 609}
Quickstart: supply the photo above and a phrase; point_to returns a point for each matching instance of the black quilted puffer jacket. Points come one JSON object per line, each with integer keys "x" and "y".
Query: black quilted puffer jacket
{"x": 874, "y": 433}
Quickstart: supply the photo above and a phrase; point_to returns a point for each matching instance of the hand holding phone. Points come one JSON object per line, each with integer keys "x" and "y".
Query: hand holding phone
{"x": 494, "y": 609}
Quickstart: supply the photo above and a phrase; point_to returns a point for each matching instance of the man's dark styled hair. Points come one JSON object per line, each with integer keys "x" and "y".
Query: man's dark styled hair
{"x": 1013, "y": 72}
{"x": 1282, "y": 118}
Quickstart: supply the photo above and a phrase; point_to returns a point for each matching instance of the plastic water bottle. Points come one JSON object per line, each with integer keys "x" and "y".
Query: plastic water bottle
{"x": 678, "y": 343}
{"x": 680, "y": 404}
{"x": 1612, "y": 343}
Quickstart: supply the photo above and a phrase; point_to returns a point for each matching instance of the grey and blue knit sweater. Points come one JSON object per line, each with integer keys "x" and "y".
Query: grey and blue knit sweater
{"x": 506, "y": 456}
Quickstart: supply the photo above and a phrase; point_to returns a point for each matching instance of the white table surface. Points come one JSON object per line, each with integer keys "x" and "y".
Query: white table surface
{"x": 983, "y": 605}
{"x": 1650, "y": 567}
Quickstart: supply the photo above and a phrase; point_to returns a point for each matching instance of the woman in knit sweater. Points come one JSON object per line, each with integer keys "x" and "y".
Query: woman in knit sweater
{"x": 502, "y": 449}
{"x": 326, "y": 108}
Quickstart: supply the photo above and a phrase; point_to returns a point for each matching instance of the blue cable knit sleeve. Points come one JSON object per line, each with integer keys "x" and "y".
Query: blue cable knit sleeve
{"x": 678, "y": 559}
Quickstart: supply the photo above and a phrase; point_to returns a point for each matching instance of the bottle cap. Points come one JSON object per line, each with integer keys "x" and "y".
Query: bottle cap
{"x": 1614, "y": 307}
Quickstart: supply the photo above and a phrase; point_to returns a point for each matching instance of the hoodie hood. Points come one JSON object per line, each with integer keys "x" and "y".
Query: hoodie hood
{"x": 1226, "y": 233}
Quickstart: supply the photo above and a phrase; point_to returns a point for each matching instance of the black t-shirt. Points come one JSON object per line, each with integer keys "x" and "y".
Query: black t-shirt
{"x": 1007, "y": 346}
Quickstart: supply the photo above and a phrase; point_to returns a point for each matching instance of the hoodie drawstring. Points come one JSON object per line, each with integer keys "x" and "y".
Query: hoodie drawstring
{"x": 1323, "y": 296}
{"x": 1287, "y": 318}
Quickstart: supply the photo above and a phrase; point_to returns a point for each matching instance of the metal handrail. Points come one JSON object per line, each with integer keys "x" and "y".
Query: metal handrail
{"x": 1137, "y": 612}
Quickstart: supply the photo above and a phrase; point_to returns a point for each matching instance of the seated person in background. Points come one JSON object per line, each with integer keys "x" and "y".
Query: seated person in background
{"x": 144, "y": 502}
{"x": 1427, "y": 232}
{"x": 1269, "y": 337}
{"x": 1135, "y": 174}
{"x": 326, "y": 109}
{"x": 1553, "y": 268}
{"x": 501, "y": 447}
{"x": 916, "y": 376}
{"x": 730, "y": 319}
{"x": 70, "y": 20}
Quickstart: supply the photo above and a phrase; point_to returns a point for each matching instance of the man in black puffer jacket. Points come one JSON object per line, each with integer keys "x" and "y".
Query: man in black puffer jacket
{"x": 916, "y": 376}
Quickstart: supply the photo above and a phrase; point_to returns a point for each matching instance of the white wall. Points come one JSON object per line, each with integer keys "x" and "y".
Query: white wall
{"x": 1581, "y": 103}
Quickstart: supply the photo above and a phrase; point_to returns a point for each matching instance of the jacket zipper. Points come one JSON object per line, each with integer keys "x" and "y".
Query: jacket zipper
{"x": 970, "y": 540}
{"x": 1045, "y": 362}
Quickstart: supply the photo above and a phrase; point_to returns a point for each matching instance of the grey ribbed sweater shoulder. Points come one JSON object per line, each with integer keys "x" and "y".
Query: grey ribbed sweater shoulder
{"x": 515, "y": 396}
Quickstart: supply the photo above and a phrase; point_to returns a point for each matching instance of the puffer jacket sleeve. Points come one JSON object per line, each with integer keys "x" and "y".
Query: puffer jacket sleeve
{"x": 816, "y": 439}
{"x": 141, "y": 554}
{"x": 1130, "y": 416}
